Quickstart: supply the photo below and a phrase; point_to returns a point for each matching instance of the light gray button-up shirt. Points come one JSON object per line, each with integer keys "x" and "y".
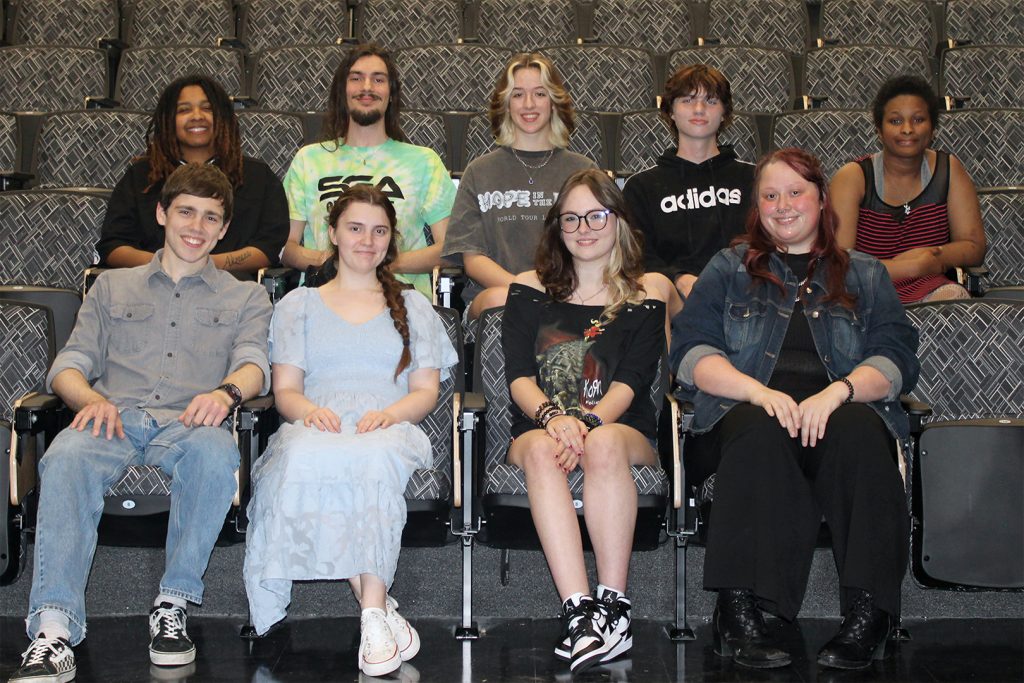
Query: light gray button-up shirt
{"x": 145, "y": 342}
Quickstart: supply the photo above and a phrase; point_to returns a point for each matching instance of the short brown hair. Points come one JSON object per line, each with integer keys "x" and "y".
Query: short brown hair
{"x": 690, "y": 79}
{"x": 199, "y": 180}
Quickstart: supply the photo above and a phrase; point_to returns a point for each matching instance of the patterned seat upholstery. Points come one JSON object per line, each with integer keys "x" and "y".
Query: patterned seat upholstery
{"x": 904, "y": 23}
{"x": 267, "y": 24}
{"x": 980, "y": 22}
{"x": 848, "y": 77}
{"x": 761, "y": 79}
{"x": 500, "y": 477}
{"x": 656, "y": 25}
{"x": 397, "y": 23}
{"x": 987, "y": 141}
{"x": 644, "y": 136}
{"x": 157, "y": 23}
{"x": 779, "y": 24}
{"x": 587, "y": 139}
{"x": 87, "y": 148}
{"x": 8, "y": 142}
{"x": 835, "y": 137}
{"x": 524, "y": 25}
{"x": 449, "y": 77}
{"x": 78, "y": 23}
{"x": 605, "y": 77}
{"x": 26, "y": 351}
{"x": 1002, "y": 213}
{"x": 50, "y": 78}
{"x": 427, "y": 129}
{"x": 296, "y": 78}
{"x": 984, "y": 76}
{"x": 145, "y": 72}
{"x": 272, "y": 136}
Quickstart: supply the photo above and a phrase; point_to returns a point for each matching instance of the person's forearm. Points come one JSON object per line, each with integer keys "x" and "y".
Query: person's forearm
{"x": 614, "y": 402}
{"x": 715, "y": 375}
{"x": 248, "y": 379}
{"x": 868, "y": 384}
{"x": 527, "y": 395}
{"x": 418, "y": 260}
{"x": 414, "y": 406}
{"x": 247, "y": 259}
{"x": 292, "y": 404}
{"x": 961, "y": 254}
{"x": 128, "y": 257}
{"x": 486, "y": 272}
{"x": 74, "y": 389}
{"x": 299, "y": 257}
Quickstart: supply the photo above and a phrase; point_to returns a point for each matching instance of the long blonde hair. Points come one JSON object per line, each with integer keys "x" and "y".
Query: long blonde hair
{"x": 563, "y": 116}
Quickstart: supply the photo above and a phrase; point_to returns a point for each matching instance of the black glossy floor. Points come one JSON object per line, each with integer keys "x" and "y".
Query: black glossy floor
{"x": 518, "y": 651}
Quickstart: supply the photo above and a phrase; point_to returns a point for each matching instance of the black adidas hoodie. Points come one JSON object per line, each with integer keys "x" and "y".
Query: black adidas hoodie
{"x": 688, "y": 212}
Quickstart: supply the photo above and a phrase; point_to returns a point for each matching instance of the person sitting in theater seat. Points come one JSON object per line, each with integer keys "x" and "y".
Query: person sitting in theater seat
{"x": 194, "y": 122}
{"x": 159, "y": 358}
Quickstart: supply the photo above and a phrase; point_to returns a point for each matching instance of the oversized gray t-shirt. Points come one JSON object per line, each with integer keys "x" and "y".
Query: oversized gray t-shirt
{"x": 500, "y": 214}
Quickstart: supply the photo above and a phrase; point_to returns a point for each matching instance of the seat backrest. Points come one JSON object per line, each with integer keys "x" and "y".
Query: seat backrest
{"x": 605, "y": 77}
{"x": 272, "y": 136}
{"x": 587, "y": 139}
{"x": 523, "y": 25}
{"x": 78, "y": 23}
{"x": 644, "y": 136}
{"x": 449, "y": 77}
{"x": 156, "y": 23}
{"x": 904, "y": 23}
{"x": 780, "y": 24}
{"x": 50, "y": 78}
{"x": 761, "y": 79}
{"x": 427, "y": 129}
{"x": 26, "y": 351}
{"x": 656, "y": 25}
{"x": 267, "y": 24}
{"x": 984, "y": 76}
{"x": 979, "y": 22}
{"x": 146, "y": 71}
{"x": 87, "y": 148}
{"x": 834, "y": 136}
{"x": 848, "y": 77}
{"x": 987, "y": 141}
{"x": 296, "y": 77}
{"x": 9, "y": 141}
{"x": 47, "y": 237}
{"x": 972, "y": 359}
{"x": 1002, "y": 213}
{"x": 398, "y": 23}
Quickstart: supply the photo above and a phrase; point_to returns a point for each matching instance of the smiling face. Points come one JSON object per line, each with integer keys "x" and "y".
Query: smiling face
{"x": 368, "y": 90}
{"x": 789, "y": 207}
{"x": 586, "y": 243}
{"x": 529, "y": 104}
{"x": 193, "y": 124}
{"x": 362, "y": 234}
{"x": 907, "y": 128}
{"x": 697, "y": 115}
{"x": 192, "y": 227}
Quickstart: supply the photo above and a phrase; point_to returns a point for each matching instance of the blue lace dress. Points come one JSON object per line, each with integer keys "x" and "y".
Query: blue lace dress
{"x": 332, "y": 506}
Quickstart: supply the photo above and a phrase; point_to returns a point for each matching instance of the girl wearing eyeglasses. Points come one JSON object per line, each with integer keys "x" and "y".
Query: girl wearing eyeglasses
{"x": 582, "y": 336}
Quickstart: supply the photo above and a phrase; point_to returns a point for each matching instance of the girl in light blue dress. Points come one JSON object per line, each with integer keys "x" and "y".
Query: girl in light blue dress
{"x": 356, "y": 364}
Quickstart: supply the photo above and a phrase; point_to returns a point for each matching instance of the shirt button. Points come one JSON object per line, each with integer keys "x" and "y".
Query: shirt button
{"x": 814, "y": 315}
{"x": 174, "y": 324}
{"x": 826, "y": 358}
{"x": 169, "y": 354}
{"x": 157, "y": 397}
{"x": 129, "y": 315}
{"x": 216, "y": 320}
{"x": 177, "y": 295}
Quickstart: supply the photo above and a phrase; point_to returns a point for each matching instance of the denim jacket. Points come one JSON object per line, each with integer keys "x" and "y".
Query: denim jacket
{"x": 724, "y": 316}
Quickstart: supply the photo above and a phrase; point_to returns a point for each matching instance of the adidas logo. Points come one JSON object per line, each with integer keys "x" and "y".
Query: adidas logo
{"x": 701, "y": 199}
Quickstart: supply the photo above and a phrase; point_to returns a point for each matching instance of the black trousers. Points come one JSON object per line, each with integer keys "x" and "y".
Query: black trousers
{"x": 771, "y": 494}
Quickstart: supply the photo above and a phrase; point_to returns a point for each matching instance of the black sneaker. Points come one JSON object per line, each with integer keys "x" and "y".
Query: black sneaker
{"x": 619, "y": 633}
{"x": 585, "y": 624}
{"x": 169, "y": 644}
{"x": 47, "y": 660}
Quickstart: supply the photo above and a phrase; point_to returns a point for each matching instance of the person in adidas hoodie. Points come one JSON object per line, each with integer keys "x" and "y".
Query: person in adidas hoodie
{"x": 695, "y": 199}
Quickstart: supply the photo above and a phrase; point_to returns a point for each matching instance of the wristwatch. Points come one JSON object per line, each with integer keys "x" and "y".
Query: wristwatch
{"x": 234, "y": 392}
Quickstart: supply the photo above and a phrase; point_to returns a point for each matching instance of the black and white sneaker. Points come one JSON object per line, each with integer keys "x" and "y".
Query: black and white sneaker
{"x": 585, "y": 624}
{"x": 47, "y": 660}
{"x": 620, "y": 630}
{"x": 169, "y": 644}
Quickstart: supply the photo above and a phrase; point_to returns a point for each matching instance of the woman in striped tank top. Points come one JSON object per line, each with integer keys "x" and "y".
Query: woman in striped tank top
{"x": 912, "y": 207}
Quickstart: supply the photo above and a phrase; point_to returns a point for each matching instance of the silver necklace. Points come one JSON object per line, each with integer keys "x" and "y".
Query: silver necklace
{"x": 528, "y": 167}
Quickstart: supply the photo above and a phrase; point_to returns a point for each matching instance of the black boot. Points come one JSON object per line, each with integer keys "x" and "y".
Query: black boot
{"x": 740, "y": 632}
{"x": 861, "y": 638}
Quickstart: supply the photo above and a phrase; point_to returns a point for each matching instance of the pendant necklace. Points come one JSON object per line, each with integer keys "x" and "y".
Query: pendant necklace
{"x": 528, "y": 167}
{"x": 583, "y": 301}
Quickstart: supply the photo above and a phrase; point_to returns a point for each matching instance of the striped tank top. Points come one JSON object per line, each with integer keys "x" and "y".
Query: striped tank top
{"x": 884, "y": 230}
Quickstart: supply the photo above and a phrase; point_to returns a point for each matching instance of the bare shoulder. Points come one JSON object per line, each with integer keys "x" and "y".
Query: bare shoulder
{"x": 849, "y": 176}
{"x": 530, "y": 279}
{"x": 657, "y": 286}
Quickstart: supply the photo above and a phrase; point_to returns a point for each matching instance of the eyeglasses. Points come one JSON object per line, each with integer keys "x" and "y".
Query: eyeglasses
{"x": 596, "y": 220}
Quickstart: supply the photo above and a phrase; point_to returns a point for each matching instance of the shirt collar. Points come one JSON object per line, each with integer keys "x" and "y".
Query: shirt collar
{"x": 208, "y": 274}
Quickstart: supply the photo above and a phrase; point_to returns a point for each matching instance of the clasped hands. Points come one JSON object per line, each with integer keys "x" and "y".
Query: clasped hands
{"x": 569, "y": 433}
{"x": 325, "y": 419}
{"x": 806, "y": 419}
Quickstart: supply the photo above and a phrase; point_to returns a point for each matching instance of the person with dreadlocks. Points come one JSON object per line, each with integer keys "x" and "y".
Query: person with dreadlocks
{"x": 194, "y": 122}
{"x": 363, "y": 143}
{"x": 356, "y": 363}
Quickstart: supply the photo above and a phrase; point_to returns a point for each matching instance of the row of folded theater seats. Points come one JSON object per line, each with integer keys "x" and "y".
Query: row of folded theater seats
{"x": 971, "y": 396}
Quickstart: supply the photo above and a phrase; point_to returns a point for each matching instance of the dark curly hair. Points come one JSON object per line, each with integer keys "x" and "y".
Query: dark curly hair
{"x": 905, "y": 84}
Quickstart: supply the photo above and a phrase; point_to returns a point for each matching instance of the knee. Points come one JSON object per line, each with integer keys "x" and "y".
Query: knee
{"x": 211, "y": 451}
{"x": 605, "y": 452}
{"x": 538, "y": 458}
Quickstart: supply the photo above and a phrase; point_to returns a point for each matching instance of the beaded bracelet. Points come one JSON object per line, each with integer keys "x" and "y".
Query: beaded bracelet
{"x": 591, "y": 420}
{"x": 849, "y": 387}
{"x": 546, "y": 412}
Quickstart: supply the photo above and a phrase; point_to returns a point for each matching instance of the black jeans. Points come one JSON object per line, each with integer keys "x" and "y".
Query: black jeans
{"x": 771, "y": 494}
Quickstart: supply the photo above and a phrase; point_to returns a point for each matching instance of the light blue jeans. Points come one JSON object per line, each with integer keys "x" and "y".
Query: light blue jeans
{"x": 76, "y": 471}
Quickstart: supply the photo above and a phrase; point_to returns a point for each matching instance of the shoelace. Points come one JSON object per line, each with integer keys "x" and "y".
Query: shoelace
{"x": 750, "y": 621}
{"x": 579, "y": 616}
{"x": 374, "y": 639}
{"x": 169, "y": 622}
{"x": 39, "y": 648}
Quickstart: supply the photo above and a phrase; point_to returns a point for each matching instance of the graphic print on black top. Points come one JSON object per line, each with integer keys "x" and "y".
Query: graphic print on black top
{"x": 569, "y": 374}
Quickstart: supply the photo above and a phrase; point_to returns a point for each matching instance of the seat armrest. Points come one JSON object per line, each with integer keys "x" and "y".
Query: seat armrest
{"x": 14, "y": 180}
{"x": 243, "y": 102}
{"x": 89, "y": 276}
{"x": 251, "y": 410}
{"x": 101, "y": 103}
{"x": 916, "y": 411}
{"x": 474, "y": 402}
{"x": 970, "y": 277}
{"x": 278, "y": 281}
{"x": 32, "y": 410}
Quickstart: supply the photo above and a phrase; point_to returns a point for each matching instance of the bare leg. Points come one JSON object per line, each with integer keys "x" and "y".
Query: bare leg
{"x": 489, "y": 298}
{"x": 552, "y": 510}
{"x": 369, "y": 589}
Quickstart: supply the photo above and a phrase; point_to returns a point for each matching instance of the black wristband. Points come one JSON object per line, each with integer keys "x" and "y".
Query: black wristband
{"x": 234, "y": 392}
{"x": 849, "y": 387}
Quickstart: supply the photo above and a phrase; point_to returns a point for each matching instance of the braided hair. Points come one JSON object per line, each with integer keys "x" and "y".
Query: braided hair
{"x": 391, "y": 287}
